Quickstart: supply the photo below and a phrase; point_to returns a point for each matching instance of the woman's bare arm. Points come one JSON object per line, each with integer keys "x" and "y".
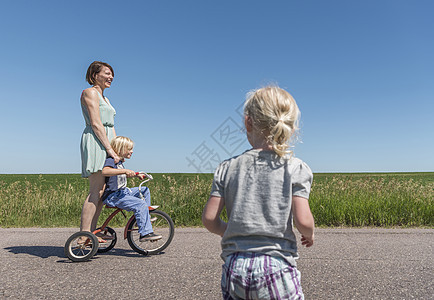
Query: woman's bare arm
{"x": 90, "y": 98}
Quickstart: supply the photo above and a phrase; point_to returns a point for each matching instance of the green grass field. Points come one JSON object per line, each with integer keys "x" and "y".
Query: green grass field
{"x": 357, "y": 199}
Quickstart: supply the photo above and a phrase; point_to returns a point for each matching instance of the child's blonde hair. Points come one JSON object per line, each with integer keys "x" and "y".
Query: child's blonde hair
{"x": 275, "y": 115}
{"x": 121, "y": 144}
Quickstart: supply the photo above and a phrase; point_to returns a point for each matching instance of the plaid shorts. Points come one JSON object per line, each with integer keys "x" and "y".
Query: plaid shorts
{"x": 248, "y": 275}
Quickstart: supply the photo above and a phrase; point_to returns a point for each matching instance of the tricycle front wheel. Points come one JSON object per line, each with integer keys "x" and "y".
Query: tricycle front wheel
{"x": 162, "y": 224}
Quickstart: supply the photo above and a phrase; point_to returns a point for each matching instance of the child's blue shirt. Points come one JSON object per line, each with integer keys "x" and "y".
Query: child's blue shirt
{"x": 114, "y": 183}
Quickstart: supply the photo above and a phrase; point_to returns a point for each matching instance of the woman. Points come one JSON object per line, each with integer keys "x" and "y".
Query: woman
{"x": 95, "y": 141}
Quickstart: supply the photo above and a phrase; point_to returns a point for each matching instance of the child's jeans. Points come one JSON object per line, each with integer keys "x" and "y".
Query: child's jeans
{"x": 248, "y": 275}
{"x": 129, "y": 199}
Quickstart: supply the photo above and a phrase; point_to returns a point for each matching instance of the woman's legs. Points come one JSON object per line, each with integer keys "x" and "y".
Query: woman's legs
{"x": 92, "y": 206}
{"x": 98, "y": 210}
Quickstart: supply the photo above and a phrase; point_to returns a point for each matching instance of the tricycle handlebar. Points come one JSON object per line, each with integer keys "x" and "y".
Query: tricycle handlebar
{"x": 148, "y": 177}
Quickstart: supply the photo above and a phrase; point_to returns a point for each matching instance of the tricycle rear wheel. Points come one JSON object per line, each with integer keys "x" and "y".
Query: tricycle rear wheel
{"x": 81, "y": 246}
{"x": 104, "y": 247}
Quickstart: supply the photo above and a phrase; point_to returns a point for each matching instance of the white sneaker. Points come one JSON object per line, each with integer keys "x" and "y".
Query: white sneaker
{"x": 150, "y": 237}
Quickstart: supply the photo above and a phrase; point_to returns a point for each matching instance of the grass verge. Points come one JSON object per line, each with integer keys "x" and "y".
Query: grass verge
{"x": 368, "y": 199}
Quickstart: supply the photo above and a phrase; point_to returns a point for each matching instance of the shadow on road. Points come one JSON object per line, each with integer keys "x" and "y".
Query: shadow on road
{"x": 53, "y": 251}
{"x": 122, "y": 252}
{"x": 39, "y": 251}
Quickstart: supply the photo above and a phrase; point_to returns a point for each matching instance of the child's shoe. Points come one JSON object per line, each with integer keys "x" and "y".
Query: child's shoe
{"x": 150, "y": 237}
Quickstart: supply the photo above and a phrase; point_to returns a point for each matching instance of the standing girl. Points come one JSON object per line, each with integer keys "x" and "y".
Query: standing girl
{"x": 95, "y": 141}
{"x": 264, "y": 190}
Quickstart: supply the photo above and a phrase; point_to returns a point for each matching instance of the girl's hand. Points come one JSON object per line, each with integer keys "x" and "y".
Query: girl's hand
{"x": 141, "y": 176}
{"x": 130, "y": 173}
{"x": 306, "y": 241}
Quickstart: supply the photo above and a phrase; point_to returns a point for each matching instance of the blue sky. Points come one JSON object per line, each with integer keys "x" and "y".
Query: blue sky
{"x": 362, "y": 73}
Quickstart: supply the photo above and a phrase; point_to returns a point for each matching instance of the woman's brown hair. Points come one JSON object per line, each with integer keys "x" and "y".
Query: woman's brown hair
{"x": 94, "y": 69}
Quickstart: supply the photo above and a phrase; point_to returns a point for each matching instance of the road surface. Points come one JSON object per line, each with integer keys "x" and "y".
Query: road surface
{"x": 343, "y": 264}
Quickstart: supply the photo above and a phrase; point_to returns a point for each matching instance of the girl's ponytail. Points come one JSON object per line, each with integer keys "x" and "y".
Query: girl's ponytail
{"x": 275, "y": 114}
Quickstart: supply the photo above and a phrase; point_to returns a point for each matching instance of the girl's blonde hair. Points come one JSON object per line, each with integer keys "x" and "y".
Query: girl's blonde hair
{"x": 275, "y": 115}
{"x": 121, "y": 144}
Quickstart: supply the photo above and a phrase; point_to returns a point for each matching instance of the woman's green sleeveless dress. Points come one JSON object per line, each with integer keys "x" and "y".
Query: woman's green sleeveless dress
{"x": 93, "y": 153}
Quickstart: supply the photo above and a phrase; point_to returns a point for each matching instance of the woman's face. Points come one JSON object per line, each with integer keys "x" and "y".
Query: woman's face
{"x": 104, "y": 78}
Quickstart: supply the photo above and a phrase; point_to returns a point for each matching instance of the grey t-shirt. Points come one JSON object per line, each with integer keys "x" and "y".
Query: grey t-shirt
{"x": 257, "y": 187}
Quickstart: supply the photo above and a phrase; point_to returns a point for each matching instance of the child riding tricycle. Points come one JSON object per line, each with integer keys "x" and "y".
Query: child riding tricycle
{"x": 148, "y": 231}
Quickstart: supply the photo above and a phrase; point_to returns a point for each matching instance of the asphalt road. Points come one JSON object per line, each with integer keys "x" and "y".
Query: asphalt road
{"x": 343, "y": 264}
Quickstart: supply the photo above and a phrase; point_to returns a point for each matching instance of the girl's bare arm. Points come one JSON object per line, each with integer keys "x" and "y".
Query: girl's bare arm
{"x": 109, "y": 171}
{"x": 211, "y": 215}
{"x": 303, "y": 219}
